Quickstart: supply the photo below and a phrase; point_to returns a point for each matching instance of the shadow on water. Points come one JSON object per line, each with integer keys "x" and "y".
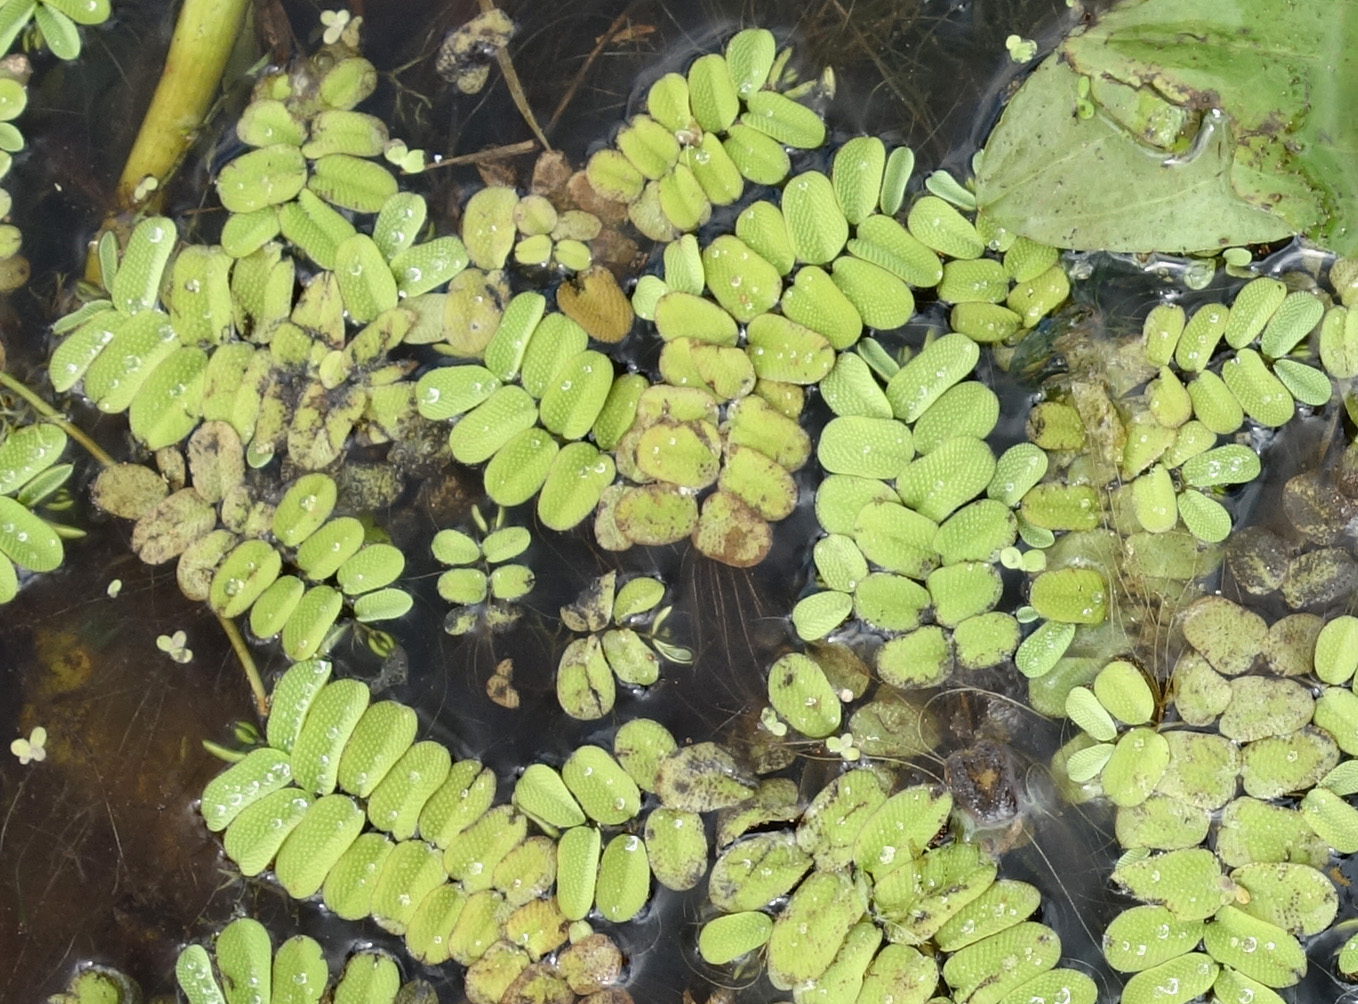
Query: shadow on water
{"x": 102, "y": 856}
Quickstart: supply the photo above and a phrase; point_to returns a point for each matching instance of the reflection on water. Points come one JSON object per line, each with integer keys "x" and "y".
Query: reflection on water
{"x": 103, "y": 857}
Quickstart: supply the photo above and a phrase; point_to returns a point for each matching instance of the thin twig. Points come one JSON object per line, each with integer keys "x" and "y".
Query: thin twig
{"x": 481, "y": 156}
{"x": 247, "y": 662}
{"x": 604, "y": 39}
{"x": 515, "y": 88}
{"x": 48, "y": 412}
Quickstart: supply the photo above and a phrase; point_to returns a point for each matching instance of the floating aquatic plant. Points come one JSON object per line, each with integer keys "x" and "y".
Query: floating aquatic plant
{"x": 199, "y": 332}
{"x": 472, "y": 876}
{"x": 231, "y": 544}
{"x": 243, "y": 959}
{"x": 484, "y": 581}
{"x": 1288, "y": 749}
{"x": 728, "y": 415}
{"x": 464, "y": 57}
{"x": 1122, "y": 493}
{"x": 1170, "y": 475}
{"x": 175, "y": 646}
{"x": 672, "y": 441}
{"x": 906, "y": 533}
{"x": 624, "y": 640}
{"x": 916, "y": 888}
{"x": 456, "y": 873}
{"x": 31, "y": 479}
{"x": 821, "y": 312}
{"x": 14, "y": 75}
{"x": 32, "y": 749}
{"x": 706, "y": 133}
{"x": 91, "y": 984}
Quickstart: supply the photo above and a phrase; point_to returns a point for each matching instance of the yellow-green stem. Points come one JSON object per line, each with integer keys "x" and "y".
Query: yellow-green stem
{"x": 50, "y": 414}
{"x": 247, "y": 662}
{"x": 204, "y": 35}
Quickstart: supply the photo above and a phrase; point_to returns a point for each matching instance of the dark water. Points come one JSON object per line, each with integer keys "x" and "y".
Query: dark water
{"x": 101, "y": 855}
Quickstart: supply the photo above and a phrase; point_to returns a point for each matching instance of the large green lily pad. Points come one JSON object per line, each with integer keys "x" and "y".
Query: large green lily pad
{"x": 1202, "y": 124}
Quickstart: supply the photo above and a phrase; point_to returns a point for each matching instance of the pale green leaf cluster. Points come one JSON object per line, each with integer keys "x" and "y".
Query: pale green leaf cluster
{"x": 31, "y": 479}
{"x": 625, "y": 640}
{"x": 859, "y": 892}
{"x": 287, "y": 563}
{"x": 243, "y": 958}
{"x": 483, "y": 581}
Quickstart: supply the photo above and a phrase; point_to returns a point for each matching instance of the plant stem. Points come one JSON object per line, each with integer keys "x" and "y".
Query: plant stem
{"x": 204, "y": 35}
{"x": 516, "y": 88}
{"x": 247, "y": 662}
{"x": 48, "y": 412}
{"x": 483, "y": 156}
